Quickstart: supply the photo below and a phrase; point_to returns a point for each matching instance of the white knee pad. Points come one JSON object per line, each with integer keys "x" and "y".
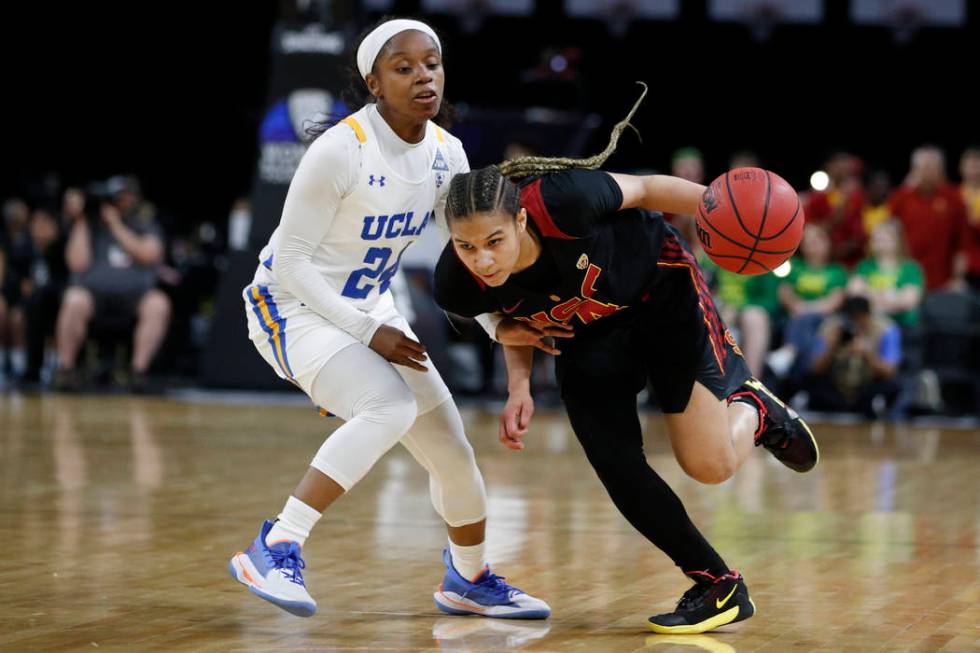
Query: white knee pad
{"x": 378, "y": 406}
{"x": 437, "y": 440}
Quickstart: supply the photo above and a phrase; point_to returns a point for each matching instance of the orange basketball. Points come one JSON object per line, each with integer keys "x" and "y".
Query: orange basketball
{"x": 750, "y": 221}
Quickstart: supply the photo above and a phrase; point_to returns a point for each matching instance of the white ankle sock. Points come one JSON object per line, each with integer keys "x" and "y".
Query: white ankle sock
{"x": 295, "y": 523}
{"x": 468, "y": 560}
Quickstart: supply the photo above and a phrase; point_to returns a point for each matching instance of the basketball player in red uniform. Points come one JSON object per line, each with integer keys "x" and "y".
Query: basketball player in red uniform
{"x": 579, "y": 254}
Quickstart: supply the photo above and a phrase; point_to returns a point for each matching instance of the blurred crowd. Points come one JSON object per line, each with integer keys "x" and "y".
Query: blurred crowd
{"x": 878, "y": 313}
{"x": 94, "y": 288}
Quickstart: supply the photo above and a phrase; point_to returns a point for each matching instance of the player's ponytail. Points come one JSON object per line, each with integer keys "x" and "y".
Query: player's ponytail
{"x": 527, "y": 166}
{"x": 491, "y": 189}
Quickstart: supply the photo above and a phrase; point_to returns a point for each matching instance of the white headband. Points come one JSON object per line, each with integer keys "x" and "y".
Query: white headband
{"x": 368, "y": 51}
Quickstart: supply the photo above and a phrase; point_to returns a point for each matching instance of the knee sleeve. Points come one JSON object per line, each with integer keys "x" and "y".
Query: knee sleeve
{"x": 378, "y": 406}
{"x": 437, "y": 440}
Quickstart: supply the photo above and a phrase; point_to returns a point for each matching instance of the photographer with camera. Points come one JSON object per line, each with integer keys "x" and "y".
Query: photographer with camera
{"x": 113, "y": 262}
{"x": 854, "y": 359}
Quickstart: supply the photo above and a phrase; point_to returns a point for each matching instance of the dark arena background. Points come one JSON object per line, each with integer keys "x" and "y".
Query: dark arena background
{"x": 134, "y": 462}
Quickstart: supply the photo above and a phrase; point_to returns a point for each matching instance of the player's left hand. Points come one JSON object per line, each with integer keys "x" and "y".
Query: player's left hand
{"x": 514, "y": 420}
{"x": 519, "y": 333}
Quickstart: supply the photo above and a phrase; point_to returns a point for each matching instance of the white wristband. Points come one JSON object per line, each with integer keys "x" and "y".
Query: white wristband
{"x": 489, "y": 322}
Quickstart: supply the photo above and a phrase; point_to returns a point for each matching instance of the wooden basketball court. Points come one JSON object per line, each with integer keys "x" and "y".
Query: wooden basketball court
{"x": 119, "y": 515}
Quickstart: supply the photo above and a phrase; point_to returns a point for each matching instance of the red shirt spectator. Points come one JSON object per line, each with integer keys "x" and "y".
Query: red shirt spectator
{"x": 840, "y": 213}
{"x": 934, "y": 216}
{"x": 839, "y": 207}
{"x": 934, "y": 224}
{"x": 970, "y": 192}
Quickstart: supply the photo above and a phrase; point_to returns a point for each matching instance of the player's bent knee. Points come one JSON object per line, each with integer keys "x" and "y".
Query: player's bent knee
{"x": 712, "y": 470}
{"x": 398, "y": 412}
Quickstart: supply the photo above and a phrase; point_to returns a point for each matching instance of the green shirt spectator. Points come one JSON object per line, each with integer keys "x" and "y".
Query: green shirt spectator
{"x": 811, "y": 282}
{"x": 892, "y": 282}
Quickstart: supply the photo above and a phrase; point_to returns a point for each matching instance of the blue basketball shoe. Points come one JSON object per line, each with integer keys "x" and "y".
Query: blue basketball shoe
{"x": 487, "y": 595}
{"x": 274, "y": 573}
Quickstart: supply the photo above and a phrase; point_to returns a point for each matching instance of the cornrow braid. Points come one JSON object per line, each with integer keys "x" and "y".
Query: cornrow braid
{"x": 527, "y": 166}
{"x": 482, "y": 191}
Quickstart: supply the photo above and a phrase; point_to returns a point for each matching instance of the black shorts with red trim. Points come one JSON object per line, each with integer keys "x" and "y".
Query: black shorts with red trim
{"x": 672, "y": 339}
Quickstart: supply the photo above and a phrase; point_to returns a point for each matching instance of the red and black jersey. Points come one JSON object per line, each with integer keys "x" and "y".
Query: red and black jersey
{"x": 596, "y": 260}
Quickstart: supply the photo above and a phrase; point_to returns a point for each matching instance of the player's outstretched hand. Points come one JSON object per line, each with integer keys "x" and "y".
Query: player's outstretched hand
{"x": 398, "y": 348}
{"x": 514, "y": 420}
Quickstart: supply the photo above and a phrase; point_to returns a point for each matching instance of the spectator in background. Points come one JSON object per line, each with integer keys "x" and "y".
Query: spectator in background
{"x": 970, "y": 192}
{"x": 15, "y": 241}
{"x": 744, "y": 159}
{"x": 113, "y": 265}
{"x": 43, "y": 288}
{"x": 686, "y": 163}
{"x": 891, "y": 281}
{"x": 876, "y": 209}
{"x": 838, "y": 208}
{"x": 239, "y": 224}
{"x": 189, "y": 278}
{"x": 934, "y": 217}
{"x": 855, "y": 358}
{"x": 72, "y": 206}
{"x": 813, "y": 289}
{"x": 518, "y": 148}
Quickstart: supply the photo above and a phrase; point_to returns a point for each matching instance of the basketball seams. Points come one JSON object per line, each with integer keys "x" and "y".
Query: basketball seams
{"x": 789, "y": 223}
{"x": 714, "y": 229}
{"x": 762, "y": 223}
{"x": 743, "y": 258}
{"x": 738, "y": 214}
{"x": 707, "y": 223}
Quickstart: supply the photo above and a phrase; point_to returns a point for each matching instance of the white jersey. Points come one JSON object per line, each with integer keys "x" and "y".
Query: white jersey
{"x": 380, "y": 205}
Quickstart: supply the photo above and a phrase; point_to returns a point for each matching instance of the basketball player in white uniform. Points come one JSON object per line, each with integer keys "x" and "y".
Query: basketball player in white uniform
{"x": 320, "y": 313}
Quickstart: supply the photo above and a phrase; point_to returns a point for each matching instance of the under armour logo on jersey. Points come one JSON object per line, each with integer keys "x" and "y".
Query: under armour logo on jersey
{"x": 380, "y": 180}
{"x": 440, "y": 179}
{"x": 440, "y": 162}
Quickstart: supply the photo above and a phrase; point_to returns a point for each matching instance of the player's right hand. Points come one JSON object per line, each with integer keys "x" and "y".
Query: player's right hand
{"x": 394, "y": 346}
{"x": 520, "y": 333}
{"x": 514, "y": 420}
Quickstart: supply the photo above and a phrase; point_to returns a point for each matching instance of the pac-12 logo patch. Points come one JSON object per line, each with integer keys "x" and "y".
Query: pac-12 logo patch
{"x": 440, "y": 162}
{"x": 583, "y": 262}
{"x": 734, "y": 345}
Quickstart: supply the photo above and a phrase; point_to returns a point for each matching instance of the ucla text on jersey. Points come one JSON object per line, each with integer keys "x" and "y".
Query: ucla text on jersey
{"x": 399, "y": 224}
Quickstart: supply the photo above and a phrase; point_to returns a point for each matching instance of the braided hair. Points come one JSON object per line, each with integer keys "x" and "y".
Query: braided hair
{"x": 481, "y": 191}
{"x": 493, "y": 188}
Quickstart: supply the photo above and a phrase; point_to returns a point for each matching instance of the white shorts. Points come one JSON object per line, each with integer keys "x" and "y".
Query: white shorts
{"x": 297, "y": 342}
